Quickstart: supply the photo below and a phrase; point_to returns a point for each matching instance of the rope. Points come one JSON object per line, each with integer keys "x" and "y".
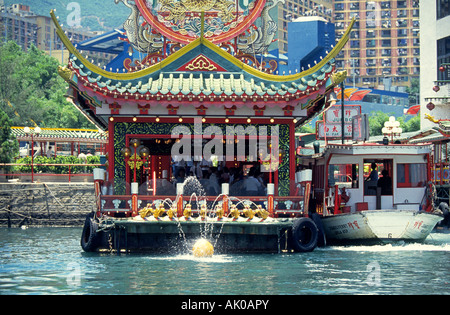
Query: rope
{"x": 53, "y": 195}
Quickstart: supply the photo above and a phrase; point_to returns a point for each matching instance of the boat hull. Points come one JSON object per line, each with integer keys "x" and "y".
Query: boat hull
{"x": 226, "y": 235}
{"x": 379, "y": 226}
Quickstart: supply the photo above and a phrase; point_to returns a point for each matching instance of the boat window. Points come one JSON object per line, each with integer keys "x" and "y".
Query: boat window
{"x": 374, "y": 170}
{"x": 411, "y": 175}
{"x": 343, "y": 175}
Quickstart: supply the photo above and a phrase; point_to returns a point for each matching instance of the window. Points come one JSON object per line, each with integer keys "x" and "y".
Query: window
{"x": 443, "y": 8}
{"x": 411, "y": 175}
{"x": 374, "y": 171}
{"x": 443, "y": 56}
{"x": 343, "y": 175}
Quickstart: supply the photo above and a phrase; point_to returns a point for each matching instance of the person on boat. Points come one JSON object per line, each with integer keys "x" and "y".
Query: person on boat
{"x": 252, "y": 185}
{"x": 180, "y": 176}
{"x": 373, "y": 176}
{"x": 385, "y": 183}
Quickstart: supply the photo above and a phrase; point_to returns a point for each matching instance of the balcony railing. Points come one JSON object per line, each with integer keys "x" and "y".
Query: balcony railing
{"x": 45, "y": 172}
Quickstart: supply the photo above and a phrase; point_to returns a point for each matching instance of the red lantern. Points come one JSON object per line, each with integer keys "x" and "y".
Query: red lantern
{"x": 430, "y": 106}
{"x": 436, "y": 88}
{"x": 442, "y": 68}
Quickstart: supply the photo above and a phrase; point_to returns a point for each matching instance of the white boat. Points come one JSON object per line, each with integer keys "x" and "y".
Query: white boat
{"x": 355, "y": 207}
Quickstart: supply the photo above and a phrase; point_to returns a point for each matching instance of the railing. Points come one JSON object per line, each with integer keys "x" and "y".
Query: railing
{"x": 121, "y": 204}
{"x": 440, "y": 173}
{"x": 69, "y": 173}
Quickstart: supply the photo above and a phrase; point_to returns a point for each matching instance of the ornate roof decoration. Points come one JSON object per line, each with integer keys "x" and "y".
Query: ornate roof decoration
{"x": 180, "y": 20}
{"x": 200, "y": 74}
{"x": 443, "y": 125}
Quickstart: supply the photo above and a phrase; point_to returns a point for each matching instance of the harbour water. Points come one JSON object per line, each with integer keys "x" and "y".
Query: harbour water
{"x": 51, "y": 261}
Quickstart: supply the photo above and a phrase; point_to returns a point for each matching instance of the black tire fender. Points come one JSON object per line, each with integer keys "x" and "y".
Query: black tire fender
{"x": 304, "y": 235}
{"x": 89, "y": 236}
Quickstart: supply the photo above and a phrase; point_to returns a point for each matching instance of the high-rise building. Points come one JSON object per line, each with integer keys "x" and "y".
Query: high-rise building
{"x": 19, "y": 23}
{"x": 292, "y": 9}
{"x": 435, "y": 61}
{"x": 384, "y": 49}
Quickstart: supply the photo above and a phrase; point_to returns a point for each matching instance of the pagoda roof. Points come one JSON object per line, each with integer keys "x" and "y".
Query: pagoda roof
{"x": 62, "y": 135}
{"x": 202, "y": 74}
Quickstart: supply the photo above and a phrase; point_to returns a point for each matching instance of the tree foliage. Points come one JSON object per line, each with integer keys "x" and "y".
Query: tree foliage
{"x": 378, "y": 118}
{"x": 57, "y": 169}
{"x": 32, "y": 91}
{"x": 8, "y": 144}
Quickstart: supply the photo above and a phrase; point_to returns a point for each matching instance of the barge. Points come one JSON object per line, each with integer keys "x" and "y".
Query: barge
{"x": 231, "y": 224}
{"x": 194, "y": 92}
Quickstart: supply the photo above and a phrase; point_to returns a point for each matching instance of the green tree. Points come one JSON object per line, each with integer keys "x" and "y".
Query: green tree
{"x": 378, "y": 118}
{"x": 8, "y": 143}
{"x": 376, "y": 122}
{"x": 32, "y": 91}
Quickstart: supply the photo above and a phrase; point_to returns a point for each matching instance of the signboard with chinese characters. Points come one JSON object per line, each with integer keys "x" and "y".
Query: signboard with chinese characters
{"x": 334, "y": 113}
{"x": 360, "y": 127}
{"x": 332, "y": 131}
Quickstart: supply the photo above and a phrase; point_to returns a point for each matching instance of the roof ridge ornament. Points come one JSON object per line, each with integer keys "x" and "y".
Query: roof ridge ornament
{"x": 339, "y": 77}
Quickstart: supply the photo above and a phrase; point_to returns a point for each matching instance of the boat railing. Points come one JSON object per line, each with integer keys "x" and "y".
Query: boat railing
{"x": 120, "y": 205}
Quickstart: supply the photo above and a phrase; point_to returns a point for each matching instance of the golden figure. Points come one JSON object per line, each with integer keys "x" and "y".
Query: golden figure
{"x": 248, "y": 212}
{"x": 234, "y": 212}
{"x": 172, "y": 212}
{"x": 203, "y": 211}
{"x": 262, "y": 213}
{"x": 146, "y": 211}
{"x": 187, "y": 211}
{"x": 219, "y": 212}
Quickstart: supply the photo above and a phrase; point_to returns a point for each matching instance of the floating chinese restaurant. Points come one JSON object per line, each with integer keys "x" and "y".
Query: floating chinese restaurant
{"x": 198, "y": 93}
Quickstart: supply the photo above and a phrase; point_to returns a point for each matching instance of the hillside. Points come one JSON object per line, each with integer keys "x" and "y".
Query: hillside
{"x": 96, "y": 15}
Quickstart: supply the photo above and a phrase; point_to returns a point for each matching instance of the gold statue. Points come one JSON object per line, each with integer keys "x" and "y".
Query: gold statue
{"x": 431, "y": 118}
{"x": 203, "y": 211}
{"x": 146, "y": 211}
{"x": 187, "y": 211}
{"x": 248, "y": 212}
{"x": 219, "y": 212}
{"x": 339, "y": 77}
{"x": 172, "y": 211}
{"x": 234, "y": 212}
{"x": 65, "y": 73}
{"x": 262, "y": 213}
{"x": 159, "y": 212}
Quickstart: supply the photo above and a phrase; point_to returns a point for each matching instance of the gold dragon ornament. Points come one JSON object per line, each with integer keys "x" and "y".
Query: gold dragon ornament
{"x": 178, "y": 9}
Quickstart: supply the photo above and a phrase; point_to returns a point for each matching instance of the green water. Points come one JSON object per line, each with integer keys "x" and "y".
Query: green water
{"x": 50, "y": 261}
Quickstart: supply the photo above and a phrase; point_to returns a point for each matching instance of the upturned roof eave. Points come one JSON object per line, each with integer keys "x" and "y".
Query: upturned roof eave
{"x": 200, "y": 41}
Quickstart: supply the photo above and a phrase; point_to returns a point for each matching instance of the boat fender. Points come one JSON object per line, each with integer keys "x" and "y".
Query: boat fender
{"x": 304, "y": 235}
{"x": 321, "y": 239}
{"x": 89, "y": 237}
{"x": 443, "y": 206}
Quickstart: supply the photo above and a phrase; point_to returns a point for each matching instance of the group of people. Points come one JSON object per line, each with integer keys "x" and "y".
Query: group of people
{"x": 213, "y": 175}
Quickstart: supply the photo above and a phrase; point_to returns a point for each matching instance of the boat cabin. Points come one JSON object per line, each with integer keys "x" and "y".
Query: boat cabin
{"x": 349, "y": 178}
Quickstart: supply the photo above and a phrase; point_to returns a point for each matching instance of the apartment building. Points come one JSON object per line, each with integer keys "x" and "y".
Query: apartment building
{"x": 293, "y": 9}
{"x": 435, "y": 63}
{"x": 384, "y": 49}
{"x": 19, "y": 23}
